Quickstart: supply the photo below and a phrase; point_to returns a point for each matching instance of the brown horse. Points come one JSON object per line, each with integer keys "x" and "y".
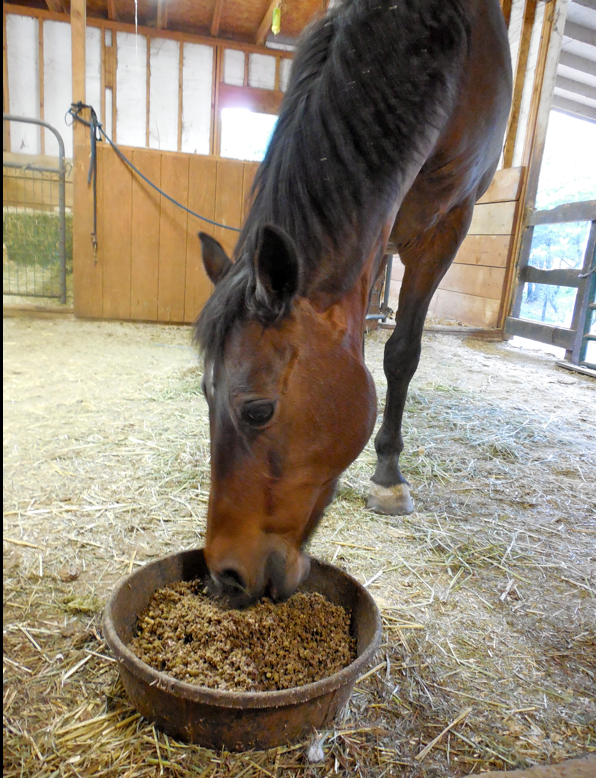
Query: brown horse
{"x": 391, "y": 128}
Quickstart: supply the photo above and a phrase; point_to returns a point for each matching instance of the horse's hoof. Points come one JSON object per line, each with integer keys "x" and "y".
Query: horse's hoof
{"x": 390, "y": 500}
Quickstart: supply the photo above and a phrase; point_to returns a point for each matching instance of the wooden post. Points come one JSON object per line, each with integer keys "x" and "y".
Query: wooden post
{"x": 87, "y": 278}
{"x": 42, "y": 134}
{"x": 5, "y": 100}
{"x": 518, "y": 81}
{"x": 544, "y": 81}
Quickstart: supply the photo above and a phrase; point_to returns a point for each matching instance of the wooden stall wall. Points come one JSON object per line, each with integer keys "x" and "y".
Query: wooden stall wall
{"x": 472, "y": 290}
{"x": 148, "y": 264}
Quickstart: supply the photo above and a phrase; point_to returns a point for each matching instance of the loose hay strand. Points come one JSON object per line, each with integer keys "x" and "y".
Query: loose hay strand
{"x": 116, "y": 469}
{"x": 439, "y": 737}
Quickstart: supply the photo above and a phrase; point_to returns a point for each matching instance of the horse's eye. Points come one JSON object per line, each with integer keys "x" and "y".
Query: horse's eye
{"x": 257, "y": 412}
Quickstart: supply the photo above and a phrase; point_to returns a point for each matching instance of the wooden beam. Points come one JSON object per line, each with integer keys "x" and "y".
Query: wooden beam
{"x": 519, "y": 81}
{"x": 87, "y": 277}
{"x": 162, "y": 14}
{"x": 543, "y": 333}
{"x": 584, "y": 211}
{"x": 56, "y": 6}
{"x": 112, "y": 13}
{"x": 576, "y": 87}
{"x": 148, "y": 93}
{"x": 578, "y": 33}
{"x": 216, "y": 18}
{"x": 561, "y": 276}
{"x": 265, "y": 24}
{"x": 578, "y": 63}
{"x": 573, "y": 108}
{"x": 5, "y": 97}
{"x": 506, "y": 8}
{"x": 41, "y": 71}
{"x": 180, "y": 94}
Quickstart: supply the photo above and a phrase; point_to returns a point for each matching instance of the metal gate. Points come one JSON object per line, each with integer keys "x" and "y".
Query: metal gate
{"x": 34, "y": 225}
{"x": 378, "y": 309}
{"x": 575, "y": 338}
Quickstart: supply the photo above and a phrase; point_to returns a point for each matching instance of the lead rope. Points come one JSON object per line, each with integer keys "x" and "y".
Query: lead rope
{"x": 97, "y": 132}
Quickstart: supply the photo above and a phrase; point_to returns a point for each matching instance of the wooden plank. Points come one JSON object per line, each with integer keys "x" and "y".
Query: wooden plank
{"x": 112, "y": 14}
{"x": 145, "y": 237}
{"x": 580, "y": 33}
{"x": 201, "y": 199}
{"x": 504, "y": 186}
{"x": 116, "y": 236}
{"x": 543, "y": 333}
{"x": 493, "y": 219}
{"x": 172, "y": 238}
{"x": 147, "y": 91}
{"x": 575, "y": 87}
{"x": 468, "y": 309}
{"x": 102, "y": 74}
{"x": 485, "y": 250}
{"x": 475, "y": 280}
{"x": 519, "y": 80}
{"x": 568, "y": 212}
{"x": 556, "y": 277}
{"x": 162, "y": 15}
{"x": 578, "y": 63}
{"x": 451, "y": 300}
{"x": 265, "y": 25}
{"x": 506, "y": 8}
{"x": 87, "y": 272}
{"x": 228, "y": 201}
{"x": 180, "y": 93}
{"x": 215, "y": 21}
{"x": 574, "y": 108}
{"x": 5, "y": 96}
{"x": 574, "y": 368}
{"x": 42, "y": 134}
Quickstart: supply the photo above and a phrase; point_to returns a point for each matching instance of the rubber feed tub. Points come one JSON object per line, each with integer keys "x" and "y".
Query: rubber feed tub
{"x": 235, "y": 721}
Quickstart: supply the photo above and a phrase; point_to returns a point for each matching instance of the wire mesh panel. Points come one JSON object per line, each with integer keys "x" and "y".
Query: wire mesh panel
{"x": 34, "y": 229}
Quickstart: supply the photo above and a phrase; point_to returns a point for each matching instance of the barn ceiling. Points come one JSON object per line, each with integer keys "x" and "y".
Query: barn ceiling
{"x": 248, "y": 21}
{"x": 575, "y": 87}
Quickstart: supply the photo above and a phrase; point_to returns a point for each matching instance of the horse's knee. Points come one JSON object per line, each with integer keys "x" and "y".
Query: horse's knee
{"x": 401, "y": 359}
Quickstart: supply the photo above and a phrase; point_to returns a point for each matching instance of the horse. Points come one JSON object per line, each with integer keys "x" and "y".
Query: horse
{"x": 390, "y": 130}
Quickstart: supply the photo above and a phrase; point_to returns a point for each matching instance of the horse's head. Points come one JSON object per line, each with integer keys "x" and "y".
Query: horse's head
{"x": 291, "y": 405}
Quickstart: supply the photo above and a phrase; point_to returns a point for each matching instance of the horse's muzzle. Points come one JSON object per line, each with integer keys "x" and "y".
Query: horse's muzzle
{"x": 281, "y": 576}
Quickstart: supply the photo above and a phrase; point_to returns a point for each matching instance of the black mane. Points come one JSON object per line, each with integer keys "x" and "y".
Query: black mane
{"x": 368, "y": 82}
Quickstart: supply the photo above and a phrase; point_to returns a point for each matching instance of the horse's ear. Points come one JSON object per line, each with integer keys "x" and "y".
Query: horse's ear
{"x": 277, "y": 271}
{"x": 215, "y": 259}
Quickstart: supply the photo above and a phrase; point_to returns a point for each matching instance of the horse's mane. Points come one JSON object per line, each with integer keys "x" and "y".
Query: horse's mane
{"x": 368, "y": 83}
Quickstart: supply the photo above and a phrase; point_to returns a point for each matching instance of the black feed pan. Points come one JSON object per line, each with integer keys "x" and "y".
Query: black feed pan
{"x": 235, "y": 721}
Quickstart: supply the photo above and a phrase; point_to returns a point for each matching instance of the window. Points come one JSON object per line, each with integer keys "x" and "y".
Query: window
{"x": 245, "y": 134}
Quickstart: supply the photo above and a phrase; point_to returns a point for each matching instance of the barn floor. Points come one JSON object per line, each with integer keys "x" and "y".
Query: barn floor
{"x": 488, "y": 591}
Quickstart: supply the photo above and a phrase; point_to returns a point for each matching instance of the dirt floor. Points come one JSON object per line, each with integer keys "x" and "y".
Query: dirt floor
{"x": 487, "y": 591}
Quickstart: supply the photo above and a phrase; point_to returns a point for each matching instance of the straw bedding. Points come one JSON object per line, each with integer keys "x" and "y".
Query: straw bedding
{"x": 487, "y": 591}
{"x": 268, "y": 647}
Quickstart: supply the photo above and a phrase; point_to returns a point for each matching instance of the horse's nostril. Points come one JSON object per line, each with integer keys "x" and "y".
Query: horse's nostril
{"x": 232, "y": 579}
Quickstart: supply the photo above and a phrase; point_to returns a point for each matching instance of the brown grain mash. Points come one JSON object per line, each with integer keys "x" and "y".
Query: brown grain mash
{"x": 188, "y": 635}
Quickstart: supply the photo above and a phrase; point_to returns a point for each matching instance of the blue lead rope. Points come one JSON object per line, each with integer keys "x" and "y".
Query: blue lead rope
{"x": 97, "y": 130}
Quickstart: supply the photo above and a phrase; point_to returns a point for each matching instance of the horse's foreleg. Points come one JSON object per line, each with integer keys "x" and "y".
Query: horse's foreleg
{"x": 426, "y": 263}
